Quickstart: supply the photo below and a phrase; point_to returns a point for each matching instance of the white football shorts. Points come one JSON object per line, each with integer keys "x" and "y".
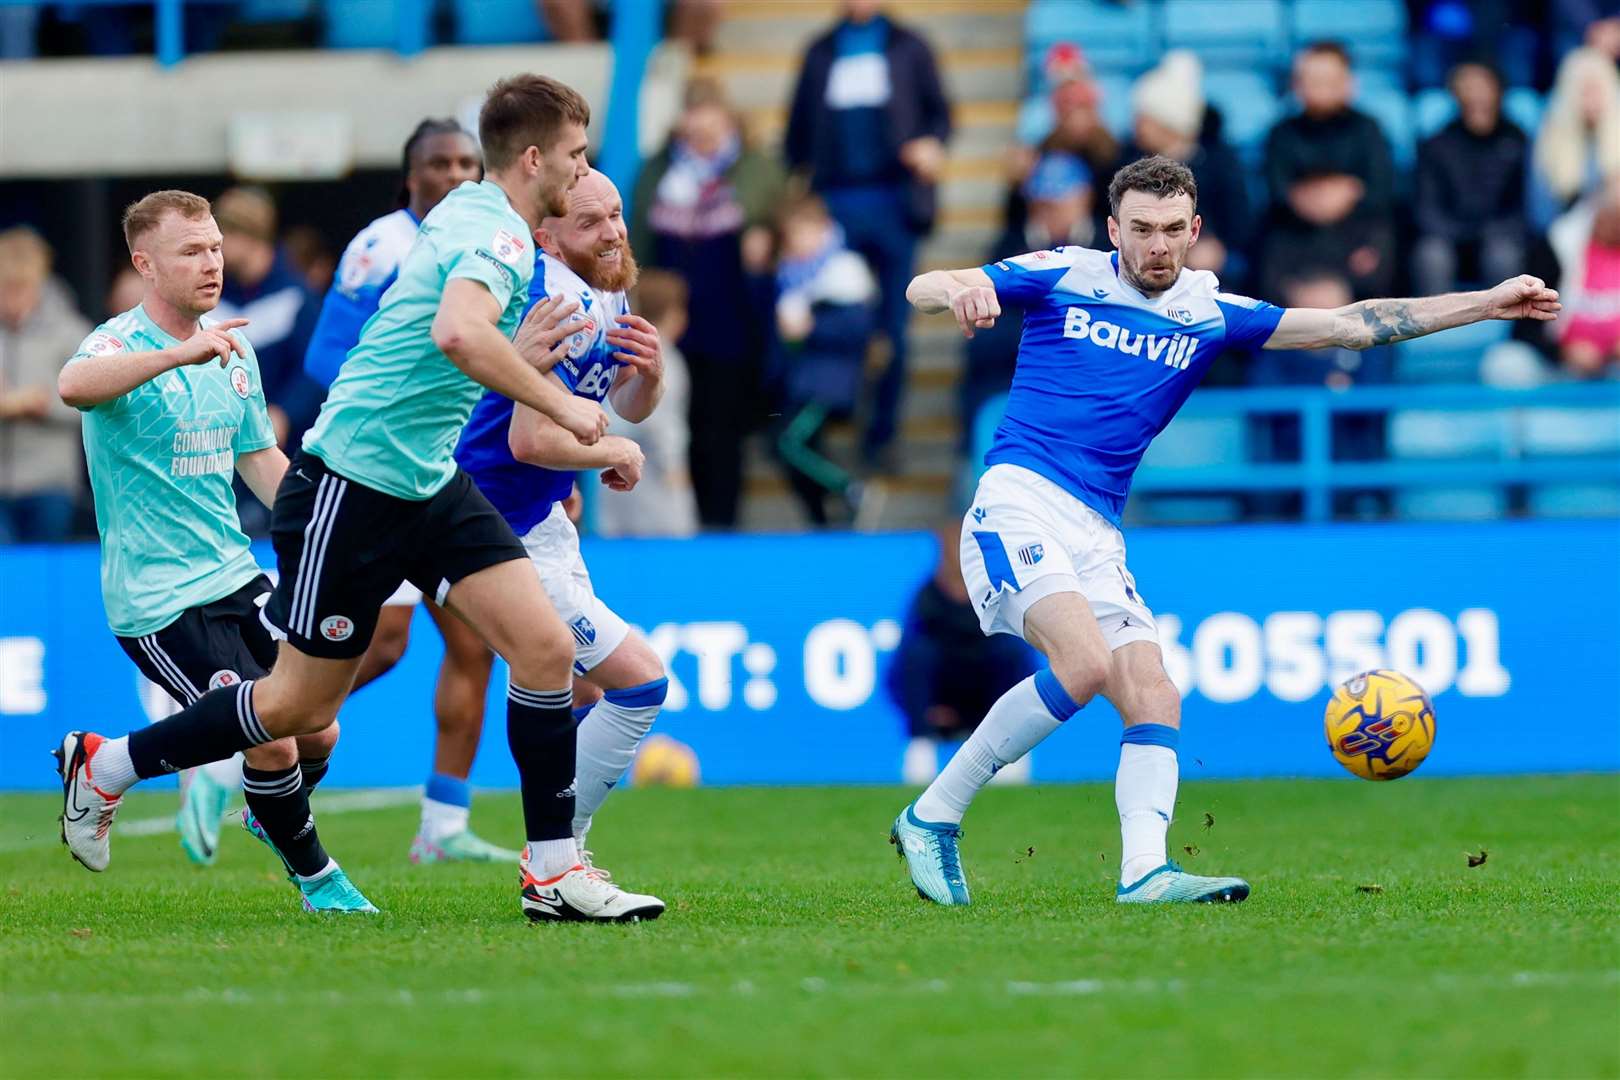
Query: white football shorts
{"x": 1025, "y": 538}
{"x": 553, "y": 547}
{"x": 407, "y": 595}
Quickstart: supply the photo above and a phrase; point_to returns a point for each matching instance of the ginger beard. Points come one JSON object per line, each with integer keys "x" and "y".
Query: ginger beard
{"x": 590, "y": 236}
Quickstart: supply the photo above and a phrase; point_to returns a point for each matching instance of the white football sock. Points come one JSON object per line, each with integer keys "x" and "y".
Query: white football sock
{"x": 1019, "y": 719}
{"x": 551, "y": 858}
{"x": 227, "y": 774}
{"x": 111, "y": 770}
{"x": 1145, "y": 794}
{"x": 921, "y": 761}
{"x": 442, "y": 819}
{"x": 608, "y": 738}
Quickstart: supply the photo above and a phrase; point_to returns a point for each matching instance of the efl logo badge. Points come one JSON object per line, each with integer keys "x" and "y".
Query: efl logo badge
{"x": 102, "y": 343}
{"x": 223, "y": 678}
{"x": 240, "y": 382}
{"x": 337, "y": 628}
{"x": 507, "y": 247}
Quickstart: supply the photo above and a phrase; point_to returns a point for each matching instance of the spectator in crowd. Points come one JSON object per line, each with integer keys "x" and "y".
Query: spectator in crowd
{"x": 1171, "y": 119}
{"x": 1066, "y": 121}
{"x": 824, "y": 307}
{"x": 125, "y": 292}
{"x": 702, "y": 209}
{"x": 1355, "y": 436}
{"x": 1331, "y": 177}
{"x": 569, "y": 21}
{"x": 869, "y": 122}
{"x": 1059, "y": 198}
{"x": 41, "y": 475}
{"x": 946, "y": 673}
{"x": 311, "y": 257}
{"x": 262, "y": 287}
{"x": 1587, "y": 243}
{"x": 662, "y": 504}
{"x": 1591, "y": 22}
{"x": 1470, "y": 189}
{"x": 1577, "y": 150}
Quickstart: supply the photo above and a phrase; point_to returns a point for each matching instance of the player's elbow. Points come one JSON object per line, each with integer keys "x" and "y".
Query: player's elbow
{"x": 71, "y": 388}
{"x": 450, "y": 338}
{"x": 914, "y": 290}
{"x": 526, "y": 445}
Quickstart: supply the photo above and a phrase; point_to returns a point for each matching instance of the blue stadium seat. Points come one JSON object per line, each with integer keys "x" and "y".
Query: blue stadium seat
{"x": 1393, "y": 111}
{"x": 1524, "y": 107}
{"x": 1115, "y": 36}
{"x": 1116, "y": 110}
{"x": 1560, "y": 432}
{"x": 372, "y": 24}
{"x": 1449, "y": 356}
{"x": 1432, "y": 109}
{"x": 1373, "y": 30}
{"x": 1245, "y": 33}
{"x": 496, "y": 22}
{"x": 1250, "y": 105}
{"x": 1194, "y": 441}
{"x": 269, "y": 11}
{"x": 1436, "y": 434}
{"x": 1569, "y": 500}
{"x": 1450, "y": 504}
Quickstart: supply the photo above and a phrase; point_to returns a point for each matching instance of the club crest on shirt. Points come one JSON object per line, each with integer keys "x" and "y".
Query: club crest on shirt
{"x": 240, "y": 382}
{"x": 223, "y": 677}
{"x": 1180, "y": 314}
{"x": 507, "y": 247}
{"x": 102, "y": 343}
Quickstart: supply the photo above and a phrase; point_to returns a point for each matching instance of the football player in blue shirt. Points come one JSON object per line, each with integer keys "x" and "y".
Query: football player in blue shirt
{"x": 526, "y": 464}
{"x": 439, "y": 156}
{"x": 1113, "y": 343}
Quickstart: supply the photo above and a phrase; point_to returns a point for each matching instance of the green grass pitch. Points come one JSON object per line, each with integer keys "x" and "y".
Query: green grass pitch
{"x": 794, "y": 946}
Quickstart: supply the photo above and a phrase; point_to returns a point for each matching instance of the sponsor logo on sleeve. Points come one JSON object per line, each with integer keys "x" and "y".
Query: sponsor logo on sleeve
{"x": 102, "y": 343}
{"x": 508, "y": 247}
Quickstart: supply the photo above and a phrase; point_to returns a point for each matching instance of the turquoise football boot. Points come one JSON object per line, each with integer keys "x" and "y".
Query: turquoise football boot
{"x": 931, "y": 855}
{"x": 202, "y": 806}
{"x": 332, "y": 891}
{"x": 1170, "y": 884}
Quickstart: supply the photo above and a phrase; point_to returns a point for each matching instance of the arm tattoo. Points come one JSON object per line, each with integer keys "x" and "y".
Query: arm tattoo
{"x": 1384, "y": 321}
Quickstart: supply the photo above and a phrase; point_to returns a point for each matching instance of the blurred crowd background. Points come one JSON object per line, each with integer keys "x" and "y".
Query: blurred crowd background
{"x": 814, "y": 155}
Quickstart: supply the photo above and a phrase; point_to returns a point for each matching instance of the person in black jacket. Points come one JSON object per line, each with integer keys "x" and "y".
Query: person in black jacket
{"x": 1470, "y": 189}
{"x": 1332, "y": 181}
{"x": 946, "y": 673}
{"x": 868, "y": 123}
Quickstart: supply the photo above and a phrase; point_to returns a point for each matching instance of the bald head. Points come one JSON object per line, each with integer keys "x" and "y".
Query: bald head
{"x": 592, "y": 238}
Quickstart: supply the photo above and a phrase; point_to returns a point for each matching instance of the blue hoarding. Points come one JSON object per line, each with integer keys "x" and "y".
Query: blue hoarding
{"x": 777, "y": 647}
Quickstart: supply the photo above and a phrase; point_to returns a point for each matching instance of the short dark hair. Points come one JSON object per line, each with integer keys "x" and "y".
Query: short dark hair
{"x": 144, "y": 215}
{"x": 1157, "y": 175}
{"x": 525, "y": 111}
{"x": 1327, "y": 47}
{"x": 425, "y": 130}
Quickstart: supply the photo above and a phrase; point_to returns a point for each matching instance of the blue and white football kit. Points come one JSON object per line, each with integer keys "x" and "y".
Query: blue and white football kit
{"x": 370, "y": 264}
{"x": 530, "y": 497}
{"x": 1102, "y": 369}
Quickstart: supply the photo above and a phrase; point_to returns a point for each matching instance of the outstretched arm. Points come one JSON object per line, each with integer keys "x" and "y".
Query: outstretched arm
{"x": 88, "y": 380}
{"x": 968, "y": 294}
{"x": 1383, "y": 322}
{"x": 467, "y": 330}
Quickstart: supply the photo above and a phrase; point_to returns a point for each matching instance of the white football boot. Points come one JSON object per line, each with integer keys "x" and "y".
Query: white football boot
{"x": 582, "y": 894}
{"x": 87, "y": 811}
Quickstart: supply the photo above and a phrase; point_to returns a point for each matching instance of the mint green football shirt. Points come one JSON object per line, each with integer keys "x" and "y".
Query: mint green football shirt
{"x": 397, "y": 407}
{"x": 162, "y": 459}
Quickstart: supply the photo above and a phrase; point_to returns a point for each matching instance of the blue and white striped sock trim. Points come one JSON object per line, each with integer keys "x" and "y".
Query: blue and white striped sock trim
{"x": 1053, "y": 696}
{"x": 1152, "y": 735}
{"x": 540, "y": 699}
{"x": 247, "y": 718}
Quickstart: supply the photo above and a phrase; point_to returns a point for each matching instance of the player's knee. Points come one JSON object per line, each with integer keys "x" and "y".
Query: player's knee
{"x": 320, "y": 744}
{"x": 1082, "y": 674}
{"x": 285, "y": 711}
{"x": 275, "y": 756}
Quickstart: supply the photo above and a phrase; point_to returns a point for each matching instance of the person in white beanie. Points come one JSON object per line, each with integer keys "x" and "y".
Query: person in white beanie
{"x": 1172, "y": 119}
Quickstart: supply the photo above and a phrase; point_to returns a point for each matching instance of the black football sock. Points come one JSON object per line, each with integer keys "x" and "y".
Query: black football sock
{"x": 540, "y": 730}
{"x": 280, "y": 801}
{"x": 314, "y": 770}
{"x": 212, "y": 728}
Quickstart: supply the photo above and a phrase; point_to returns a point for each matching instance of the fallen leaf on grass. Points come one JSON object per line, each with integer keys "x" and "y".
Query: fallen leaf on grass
{"x": 1370, "y": 888}
{"x": 1477, "y": 860}
{"x": 1191, "y": 850}
{"x": 1029, "y": 853}
{"x": 1209, "y": 820}
{"x": 83, "y": 932}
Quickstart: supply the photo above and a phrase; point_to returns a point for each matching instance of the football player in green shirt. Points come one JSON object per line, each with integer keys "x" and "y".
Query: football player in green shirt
{"x": 375, "y": 496}
{"x": 174, "y": 408}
